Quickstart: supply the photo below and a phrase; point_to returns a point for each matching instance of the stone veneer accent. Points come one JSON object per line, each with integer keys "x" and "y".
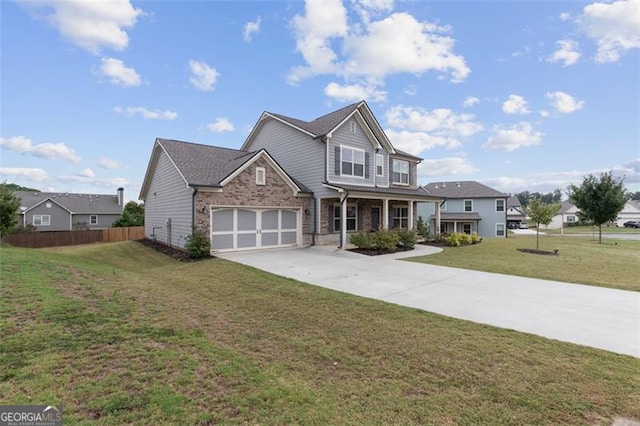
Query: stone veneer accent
{"x": 243, "y": 191}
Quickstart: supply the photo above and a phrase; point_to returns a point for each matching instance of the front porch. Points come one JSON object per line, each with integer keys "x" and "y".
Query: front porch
{"x": 368, "y": 210}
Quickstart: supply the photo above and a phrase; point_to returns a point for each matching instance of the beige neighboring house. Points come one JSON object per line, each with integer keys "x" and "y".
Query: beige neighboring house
{"x": 568, "y": 214}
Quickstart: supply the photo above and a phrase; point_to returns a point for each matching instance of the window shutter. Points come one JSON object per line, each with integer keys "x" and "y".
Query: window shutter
{"x": 366, "y": 165}
{"x": 410, "y": 177}
{"x": 360, "y": 217}
{"x": 337, "y": 161}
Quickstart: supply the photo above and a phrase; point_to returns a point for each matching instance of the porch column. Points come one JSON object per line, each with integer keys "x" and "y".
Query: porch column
{"x": 410, "y": 216}
{"x": 437, "y": 230}
{"x": 343, "y": 223}
{"x": 385, "y": 214}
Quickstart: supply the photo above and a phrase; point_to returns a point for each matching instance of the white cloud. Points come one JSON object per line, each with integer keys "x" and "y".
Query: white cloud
{"x": 517, "y": 136}
{"x": 87, "y": 173}
{"x": 118, "y": 73}
{"x": 440, "y": 121}
{"x": 568, "y": 53}
{"x": 369, "y": 49}
{"x": 91, "y": 25}
{"x": 630, "y": 171}
{"x": 145, "y": 113}
{"x": 614, "y": 26}
{"x": 515, "y": 105}
{"x": 354, "y": 92}
{"x": 203, "y": 77}
{"x": 108, "y": 163}
{"x": 470, "y": 101}
{"x": 251, "y": 28}
{"x": 221, "y": 125}
{"x": 565, "y": 16}
{"x": 36, "y": 175}
{"x": 418, "y": 142}
{"x": 563, "y": 102}
{"x": 445, "y": 167}
{"x": 24, "y": 145}
{"x": 544, "y": 113}
{"x": 95, "y": 181}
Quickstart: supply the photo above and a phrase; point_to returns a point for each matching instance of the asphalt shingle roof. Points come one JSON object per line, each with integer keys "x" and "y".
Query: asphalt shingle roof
{"x": 206, "y": 165}
{"x": 458, "y": 216}
{"x": 419, "y": 192}
{"x": 321, "y": 125}
{"x": 75, "y": 203}
{"x": 462, "y": 189}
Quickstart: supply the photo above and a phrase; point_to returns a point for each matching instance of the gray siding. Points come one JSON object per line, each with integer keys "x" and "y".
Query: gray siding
{"x": 298, "y": 154}
{"x": 104, "y": 220}
{"x": 343, "y": 136}
{"x": 172, "y": 200}
{"x": 485, "y": 207}
{"x": 59, "y": 217}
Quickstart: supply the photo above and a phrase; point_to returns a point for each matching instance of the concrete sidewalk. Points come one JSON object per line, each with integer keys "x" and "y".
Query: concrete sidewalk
{"x": 593, "y": 316}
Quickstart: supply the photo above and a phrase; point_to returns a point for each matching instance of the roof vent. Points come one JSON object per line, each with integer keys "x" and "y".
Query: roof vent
{"x": 444, "y": 185}
{"x": 458, "y": 184}
{"x": 436, "y": 186}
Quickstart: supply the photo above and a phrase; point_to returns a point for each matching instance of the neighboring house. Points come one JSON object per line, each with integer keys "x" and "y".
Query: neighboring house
{"x": 327, "y": 177}
{"x": 469, "y": 207}
{"x": 568, "y": 214}
{"x": 515, "y": 213}
{"x": 63, "y": 211}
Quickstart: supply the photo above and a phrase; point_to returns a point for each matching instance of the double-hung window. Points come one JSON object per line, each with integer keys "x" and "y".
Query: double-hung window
{"x": 468, "y": 205}
{"x": 499, "y": 229}
{"x": 499, "y": 205}
{"x": 41, "y": 220}
{"x": 352, "y": 161}
{"x": 400, "y": 217}
{"x": 379, "y": 167}
{"x": 93, "y": 219}
{"x": 400, "y": 172}
{"x": 352, "y": 217}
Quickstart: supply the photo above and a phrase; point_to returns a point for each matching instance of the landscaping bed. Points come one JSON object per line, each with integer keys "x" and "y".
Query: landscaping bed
{"x": 174, "y": 252}
{"x": 543, "y": 252}
{"x": 376, "y": 252}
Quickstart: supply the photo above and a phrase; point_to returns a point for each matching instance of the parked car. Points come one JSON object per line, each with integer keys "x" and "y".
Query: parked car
{"x": 524, "y": 225}
{"x": 632, "y": 224}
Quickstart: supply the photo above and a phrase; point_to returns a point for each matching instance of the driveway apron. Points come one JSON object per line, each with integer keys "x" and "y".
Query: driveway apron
{"x": 592, "y": 316}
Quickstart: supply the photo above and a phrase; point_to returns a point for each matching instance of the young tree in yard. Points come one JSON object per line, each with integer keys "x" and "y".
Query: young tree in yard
{"x": 541, "y": 213}
{"x": 9, "y": 205}
{"x": 132, "y": 215}
{"x": 599, "y": 200}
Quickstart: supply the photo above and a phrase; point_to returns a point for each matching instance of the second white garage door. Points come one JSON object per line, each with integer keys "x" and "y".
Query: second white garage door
{"x": 253, "y": 228}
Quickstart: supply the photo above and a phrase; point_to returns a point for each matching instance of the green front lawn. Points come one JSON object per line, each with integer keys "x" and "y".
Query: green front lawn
{"x": 615, "y": 263}
{"x": 120, "y": 334}
{"x": 591, "y": 230}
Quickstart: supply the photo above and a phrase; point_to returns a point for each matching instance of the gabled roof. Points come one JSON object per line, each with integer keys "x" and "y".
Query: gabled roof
{"x": 205, "y": 165}
{"x": 514, "y": 202}
{"x": 463, "y": 189}
{"x": 566, "y": 206}
{"x": 72, "y": 202}
{"x": 325, "y": 125}
{"x": 418, "y": 193}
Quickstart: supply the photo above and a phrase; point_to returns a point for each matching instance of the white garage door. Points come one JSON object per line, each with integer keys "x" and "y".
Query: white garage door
{"x": 249, "y": 228}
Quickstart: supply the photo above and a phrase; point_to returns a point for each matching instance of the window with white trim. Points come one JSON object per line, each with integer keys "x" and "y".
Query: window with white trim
{"x": 93, "y": 219}
{"x": 41, "y": 220}
{"x": 352, "y": 217}
{"x": 400, "y": 172}
{"x": 499, "y": 205}
{"x": 571, "y": 218}
{"x": 499, "y": 229}
{"x": 353, "y": 127}
{"x": 352, "y": 161}
{"x": 261, "y": 176}
{"x": 379, "y": 165}
{"x": 48, "y": 205}
{"x": 468, "y": 205}
{"x": 466, "y": 228}
{"x": 400, "y": 217}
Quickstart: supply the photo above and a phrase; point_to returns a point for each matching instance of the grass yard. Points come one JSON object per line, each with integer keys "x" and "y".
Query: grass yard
{"x": 614, "y": 263}
{"x": 118, "y": 333}
{"x": 593, "y": 230}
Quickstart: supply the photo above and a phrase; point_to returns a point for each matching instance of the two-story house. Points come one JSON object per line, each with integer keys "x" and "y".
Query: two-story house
{"x": 469, "y": 207}
{"x": 301, "y": 182}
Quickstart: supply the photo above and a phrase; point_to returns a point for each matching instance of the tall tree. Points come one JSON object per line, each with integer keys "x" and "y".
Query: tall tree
{"x": 599, "y": 200}
{"x": 132, "y": 215}
{"x": 15, "y": 187}
{"x": 9, "y": 205}
{"x": 541, "y": 213}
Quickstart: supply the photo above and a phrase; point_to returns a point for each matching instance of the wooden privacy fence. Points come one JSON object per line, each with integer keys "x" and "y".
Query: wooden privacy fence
{"x": 70, "y": 238}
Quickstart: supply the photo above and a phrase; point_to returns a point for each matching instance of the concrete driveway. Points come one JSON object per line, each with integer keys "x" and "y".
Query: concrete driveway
{"x": 598, "y": 317}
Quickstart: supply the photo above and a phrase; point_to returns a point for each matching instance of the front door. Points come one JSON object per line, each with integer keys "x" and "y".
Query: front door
{"x": 375, "y": 218}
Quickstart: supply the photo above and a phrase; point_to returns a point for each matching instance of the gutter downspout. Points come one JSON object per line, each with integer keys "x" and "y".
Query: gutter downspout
{"x": 315, "y": 221}
{"x": 193, "y": 209}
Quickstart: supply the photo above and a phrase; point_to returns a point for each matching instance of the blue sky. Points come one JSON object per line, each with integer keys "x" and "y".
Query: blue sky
{"x": 516, "y": 95}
